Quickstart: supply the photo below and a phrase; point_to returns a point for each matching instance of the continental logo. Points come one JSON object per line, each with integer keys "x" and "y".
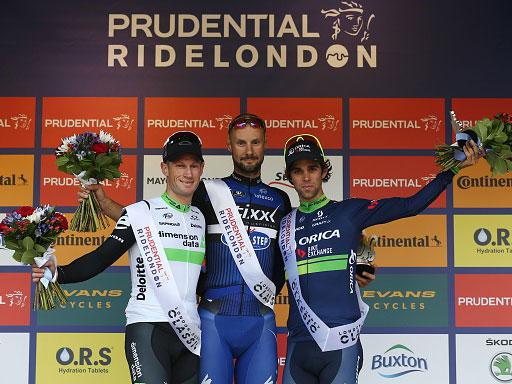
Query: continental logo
{"x": 429, "y": 123}
{"x": 425, "y": 241}
{"x": 14, "y": 179}
{"x": 122, "y": 121}
{"x": 467, "y": 182}
{"x": 80, "y": 240}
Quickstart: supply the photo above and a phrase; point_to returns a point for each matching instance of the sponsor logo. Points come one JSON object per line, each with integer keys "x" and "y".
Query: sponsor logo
{"x": 123, "y": 121}
{"x": 319, "y": 237}
{"x": 214, "y": 123}
{"x": 301, "y": 220}
{"x": 84, "y": 359}
{"x": 141, "y": 279}
{"x": 13, "y": 179}
{"x": 20, "y": 121}
{"x": 494, "y": 342}
{"x": 314, "y": 251}
{"x": 480, "y": 304}
{"x": 136, "y": 367}
{"x": 125, "y": 181}
{"x": 483, "y": 236}
{"x": 192, "y": 225}
{"x": 427, "y": 123}
{"x": 189, "y": 240}
{"x": 167, "y": 215}
{"x": 194, "y": 217}
{"x": 259, "y": 240}
{"x": 237, "y": 193}
{"x": 169, "y": 223}
{"x": 14, "y": 299}
{"x": 391, "y": 183}
{"x": 301, "y": 253}
{"x": 397, "y": 361}
{"x": 349, "y": 18}
{"x": 501, "y": 367}
{"x": 468, "y": 182}
{"x": 425, "y": 241}
{"x": 258, "y": 214}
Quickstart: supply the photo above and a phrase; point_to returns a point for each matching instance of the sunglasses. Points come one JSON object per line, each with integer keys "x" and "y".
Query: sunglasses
{"x": 243, "y": 121}
{"x": 184, "y": 137}
{"x": 302, "y": 137}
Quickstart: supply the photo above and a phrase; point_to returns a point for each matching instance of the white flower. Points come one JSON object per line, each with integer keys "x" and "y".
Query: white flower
{"x": 106, "y": 137}
{"x": 64, "y": 147}
{"x": 35, "y": 217}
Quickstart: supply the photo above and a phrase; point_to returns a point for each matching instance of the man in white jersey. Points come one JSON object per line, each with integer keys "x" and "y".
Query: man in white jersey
{"x": 165, "y": 240}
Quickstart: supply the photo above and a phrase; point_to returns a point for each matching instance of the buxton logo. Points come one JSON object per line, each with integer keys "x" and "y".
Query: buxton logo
{"x": 21, "y": 121}
{"x": 398, "y": 361}
{"x": 350, "y": 19}
{"x": 122, "y": 121}
{"x": 13, "y": 179}
{"x": 501, "y": 367}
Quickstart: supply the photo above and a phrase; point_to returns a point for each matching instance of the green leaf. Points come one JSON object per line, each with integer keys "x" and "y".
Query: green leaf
{"x": 28, "y": 243}
{"x": 17, "y": 256}
{"x": 39, "y": 248}
{"x": 28, "y": 256}
{"x": 62, "y": 160}
{"x": 500, "y": 167}
{"x": 12, "y": 245}
{"x": 501, "y": 137}
{"x": 509, "y": 165}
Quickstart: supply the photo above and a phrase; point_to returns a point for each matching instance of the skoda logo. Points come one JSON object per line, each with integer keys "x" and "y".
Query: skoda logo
{"x": 501, "y": 367}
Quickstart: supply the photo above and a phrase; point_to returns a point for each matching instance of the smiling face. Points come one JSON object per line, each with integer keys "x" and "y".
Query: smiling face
{"x": 183, "y": 177}
{"x": 306, "y": 177}
{"x": 247, "y": 147}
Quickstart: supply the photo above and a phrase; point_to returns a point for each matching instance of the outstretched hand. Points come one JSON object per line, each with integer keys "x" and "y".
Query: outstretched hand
{"x": 473, "y": 154}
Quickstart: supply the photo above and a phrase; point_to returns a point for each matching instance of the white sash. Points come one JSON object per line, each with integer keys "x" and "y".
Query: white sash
{"x": 162, "y": 281}
{"x": 328, "y": 339}
{"x": 239, "y": 243}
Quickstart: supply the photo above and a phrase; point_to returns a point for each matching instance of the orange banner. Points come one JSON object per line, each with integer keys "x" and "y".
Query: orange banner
{"x": 286, "y": 117}
{"x": 65, "y": 116}
{"x": 17, "y": 122}
{"x": 396, "y": 123}
{"x": 207, "y": 117}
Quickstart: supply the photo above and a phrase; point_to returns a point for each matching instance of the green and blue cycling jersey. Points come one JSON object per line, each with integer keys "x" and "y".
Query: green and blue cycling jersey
{"x": 326, "y": 233}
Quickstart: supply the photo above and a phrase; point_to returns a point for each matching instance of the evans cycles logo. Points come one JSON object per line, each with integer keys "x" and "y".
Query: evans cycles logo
{"x": 398, "y": 361}
{"x": 263, "y": 39}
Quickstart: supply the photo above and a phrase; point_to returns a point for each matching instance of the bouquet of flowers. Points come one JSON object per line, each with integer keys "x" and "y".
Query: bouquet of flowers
{"x": 494, "y": 137}
{"x": 30, "y": 232}
{"x": 90, "y": 158}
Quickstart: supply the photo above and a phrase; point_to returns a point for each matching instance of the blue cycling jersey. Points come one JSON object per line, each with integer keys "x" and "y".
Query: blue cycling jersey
{"x": 326, "y": 233}
{"x": 261, "y": 208}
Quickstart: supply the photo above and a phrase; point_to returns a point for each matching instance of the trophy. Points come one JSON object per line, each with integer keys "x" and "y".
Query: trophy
{"x": 366, "y": 254}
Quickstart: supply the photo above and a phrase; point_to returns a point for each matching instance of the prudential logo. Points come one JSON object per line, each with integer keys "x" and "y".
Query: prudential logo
{"x": 398, "y": 361}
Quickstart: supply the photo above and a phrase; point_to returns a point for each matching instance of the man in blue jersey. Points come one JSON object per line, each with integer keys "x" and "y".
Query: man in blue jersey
{"x": 319, "y": 242}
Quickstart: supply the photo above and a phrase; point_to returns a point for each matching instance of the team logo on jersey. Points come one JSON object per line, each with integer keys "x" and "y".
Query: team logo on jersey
{"x": 301, "y": 220}
{"x": 167, "y": 215}
{"x": 259, "y": 240}
{"x": 123, "y": 222}
{"x": 301, "y": 253}
{"x": 320, "y": 213}
{"x": 194, "y": 217}
{"x": 373, "y": 204}
{"x": 326, "y": 235}
{"x": 237, "y": 193}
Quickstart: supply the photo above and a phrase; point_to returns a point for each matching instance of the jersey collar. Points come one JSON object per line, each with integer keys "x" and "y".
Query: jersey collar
{"x": 313, "y": 205}
{"x": 174, "y": 204}
{"x": 246, "y": 180}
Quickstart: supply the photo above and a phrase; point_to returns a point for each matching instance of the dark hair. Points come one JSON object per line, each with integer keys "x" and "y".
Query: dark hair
{"x": 247, "y": 117}
{"x": 326, "y": 164}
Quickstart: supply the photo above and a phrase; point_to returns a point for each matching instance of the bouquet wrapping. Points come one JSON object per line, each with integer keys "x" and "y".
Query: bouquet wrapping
{"x": 30, "y": 233}
{"x": 493, "y": 137}
{"x": 91, "y": 158}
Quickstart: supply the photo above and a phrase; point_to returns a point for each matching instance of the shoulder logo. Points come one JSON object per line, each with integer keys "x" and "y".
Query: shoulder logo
{"x": 123, "y": 222}
{"x": 373, "y": 204}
